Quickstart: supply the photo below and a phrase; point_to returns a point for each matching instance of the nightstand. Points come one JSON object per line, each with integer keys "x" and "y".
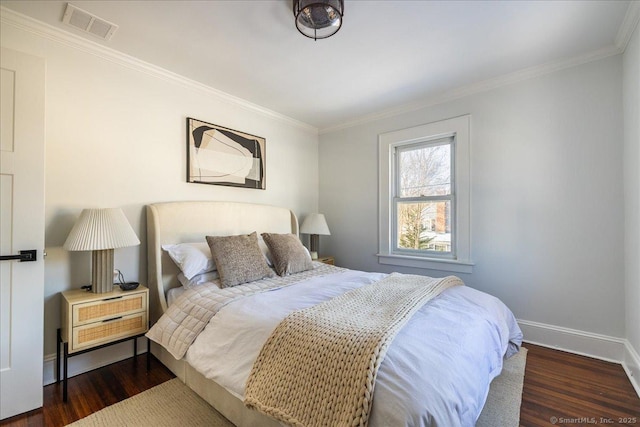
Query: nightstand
{"x": 91, "y": 321}
{"x": 327, "y": 260}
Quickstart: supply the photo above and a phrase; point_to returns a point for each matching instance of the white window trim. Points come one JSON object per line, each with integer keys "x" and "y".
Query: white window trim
{"x": 460, "y": 128}
{"x": 395, "y": 199}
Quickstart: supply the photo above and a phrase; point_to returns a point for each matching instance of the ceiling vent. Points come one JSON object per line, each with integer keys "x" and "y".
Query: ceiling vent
{"x": 88, "y": 23}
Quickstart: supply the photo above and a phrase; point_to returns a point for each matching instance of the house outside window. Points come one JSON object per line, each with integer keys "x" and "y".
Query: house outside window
{"x": 425, "y": 196}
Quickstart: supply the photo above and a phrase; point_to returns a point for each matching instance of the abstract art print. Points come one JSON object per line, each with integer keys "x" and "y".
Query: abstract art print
{"x": 222, "y": 156}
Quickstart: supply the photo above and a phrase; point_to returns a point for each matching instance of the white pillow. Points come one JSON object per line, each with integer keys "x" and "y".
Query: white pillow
{"x": 198, "y": 279}
{"x": 191, "y": 258}
{"x": 265, "y": 251}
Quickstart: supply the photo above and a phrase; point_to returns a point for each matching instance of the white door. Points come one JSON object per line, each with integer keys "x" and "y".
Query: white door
{"x": 21, "y": 228}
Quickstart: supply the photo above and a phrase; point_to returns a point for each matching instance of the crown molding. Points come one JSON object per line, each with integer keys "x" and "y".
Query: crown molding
{"x": 41, "y": 29}
{"x": 23, "y": 22}
{"x": 479, "y": 87}
{"x": 629, "y": 24}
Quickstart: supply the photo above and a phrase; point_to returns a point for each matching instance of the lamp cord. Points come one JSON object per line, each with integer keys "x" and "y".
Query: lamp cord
{"x": 120, "y": 277}
{"x": 120, "y": 281}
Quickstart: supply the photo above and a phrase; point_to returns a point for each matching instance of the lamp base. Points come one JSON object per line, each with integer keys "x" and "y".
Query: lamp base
{"x": 102, "y": 271}
{"x": 314, "y": 243}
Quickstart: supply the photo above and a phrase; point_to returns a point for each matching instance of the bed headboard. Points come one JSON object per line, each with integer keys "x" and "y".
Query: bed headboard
{"x": 185, "y": 222}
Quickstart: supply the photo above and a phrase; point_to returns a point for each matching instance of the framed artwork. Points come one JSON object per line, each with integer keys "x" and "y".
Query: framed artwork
{"x": 222, "y": 156}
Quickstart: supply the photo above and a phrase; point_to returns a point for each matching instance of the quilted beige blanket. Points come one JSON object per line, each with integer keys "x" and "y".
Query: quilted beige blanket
{"x": 318, "y": 368}
{"x": 178, "y": 328}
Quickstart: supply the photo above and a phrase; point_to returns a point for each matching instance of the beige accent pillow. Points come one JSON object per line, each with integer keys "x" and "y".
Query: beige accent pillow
{"x": 287, "y": 253}
{"x": 239, "y": 259}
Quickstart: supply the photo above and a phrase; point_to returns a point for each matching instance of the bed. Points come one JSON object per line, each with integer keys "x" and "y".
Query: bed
{"x": 217, "y": 362}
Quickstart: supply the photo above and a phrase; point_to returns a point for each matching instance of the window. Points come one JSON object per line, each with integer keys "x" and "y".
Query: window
{"x": 424, "y": 196}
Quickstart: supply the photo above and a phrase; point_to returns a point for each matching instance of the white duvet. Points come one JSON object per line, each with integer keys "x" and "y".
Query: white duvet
{"x": 436, "y": 373}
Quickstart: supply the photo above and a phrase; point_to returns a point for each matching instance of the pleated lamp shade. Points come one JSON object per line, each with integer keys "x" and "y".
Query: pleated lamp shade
{"x": 315, "y": 223}
{"x": 101, "y": 231}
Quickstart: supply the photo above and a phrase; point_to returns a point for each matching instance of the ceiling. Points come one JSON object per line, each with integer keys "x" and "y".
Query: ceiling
{"x": 386, "y": 55}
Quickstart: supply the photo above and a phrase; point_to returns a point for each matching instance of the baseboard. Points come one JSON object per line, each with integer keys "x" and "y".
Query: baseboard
{"x": 92, "y": 360}
{"x": 603, "y": 347}
{"x": 584, "y": 343}
{"x": 631, "y": 365}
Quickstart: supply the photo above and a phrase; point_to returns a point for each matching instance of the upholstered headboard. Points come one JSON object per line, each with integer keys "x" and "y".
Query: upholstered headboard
{"x": 185, "y": 222}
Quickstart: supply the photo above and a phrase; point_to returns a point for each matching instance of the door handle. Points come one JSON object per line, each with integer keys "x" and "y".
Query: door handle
{"x": 24, "y": 256}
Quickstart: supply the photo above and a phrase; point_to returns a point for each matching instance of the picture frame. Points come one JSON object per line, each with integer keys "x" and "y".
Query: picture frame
{"x": 221, "y": 156}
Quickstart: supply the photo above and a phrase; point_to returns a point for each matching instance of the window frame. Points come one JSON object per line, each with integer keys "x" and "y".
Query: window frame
{"x": 459, "y": 259}
{"x": 397, "y": 198}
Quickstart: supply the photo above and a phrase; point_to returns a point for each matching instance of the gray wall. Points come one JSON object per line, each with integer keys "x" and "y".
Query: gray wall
{"x": 547, "y": 208}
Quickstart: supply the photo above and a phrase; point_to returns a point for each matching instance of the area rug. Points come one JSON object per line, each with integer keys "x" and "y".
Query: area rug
{"x": 505, "y": 394}
{"x": 174, "y": 404}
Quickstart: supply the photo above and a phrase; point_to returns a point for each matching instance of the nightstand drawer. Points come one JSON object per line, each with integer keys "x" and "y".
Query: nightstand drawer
{"x": 108, "y": 330}
{"x": 91, "y": 320}
{"x": 95, "y": 311}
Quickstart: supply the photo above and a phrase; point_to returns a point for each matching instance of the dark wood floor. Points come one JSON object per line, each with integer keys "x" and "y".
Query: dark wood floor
{"x": 92, "y": 391}
{"x": 559, "y": 389}
{"x": 566, "y": 389}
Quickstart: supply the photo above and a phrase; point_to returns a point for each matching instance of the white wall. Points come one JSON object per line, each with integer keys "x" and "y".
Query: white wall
{"x": 116, "y": 137}
{"x": 547, "y": 195}
{"x": 631, "y": 99}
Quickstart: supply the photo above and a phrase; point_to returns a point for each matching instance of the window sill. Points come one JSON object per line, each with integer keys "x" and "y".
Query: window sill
{"x": 455, "y": 266}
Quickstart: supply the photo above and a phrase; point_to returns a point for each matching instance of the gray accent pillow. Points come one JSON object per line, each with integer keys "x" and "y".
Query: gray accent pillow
{"x": 287, "y": 253}
{"x": 239, "y": 259}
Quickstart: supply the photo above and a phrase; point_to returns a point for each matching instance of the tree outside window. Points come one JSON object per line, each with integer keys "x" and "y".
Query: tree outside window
{"x": 424, "y": 196}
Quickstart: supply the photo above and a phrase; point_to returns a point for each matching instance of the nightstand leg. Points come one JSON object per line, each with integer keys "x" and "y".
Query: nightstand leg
{"x": 148, "y": 354}
{"x": 58, "y": 341}
{"x": 64, "y": 384}
{"x": 135, "y": 348}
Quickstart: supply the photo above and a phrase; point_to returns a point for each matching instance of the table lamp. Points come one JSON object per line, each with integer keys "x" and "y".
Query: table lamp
{"x": 315, "y": 224}
{"x": 101, "y": 231}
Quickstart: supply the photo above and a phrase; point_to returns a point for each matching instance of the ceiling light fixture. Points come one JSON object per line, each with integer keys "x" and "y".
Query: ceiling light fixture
{"x": 318, "y": 19}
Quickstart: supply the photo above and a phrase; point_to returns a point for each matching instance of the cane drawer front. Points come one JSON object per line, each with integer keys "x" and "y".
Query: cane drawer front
{"x": 108, "y": 330}
{"x": 90, "y": 320}
{"x": 108, "y": 308}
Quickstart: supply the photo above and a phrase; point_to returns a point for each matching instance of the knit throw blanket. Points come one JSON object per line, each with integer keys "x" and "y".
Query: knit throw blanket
{"x": 318, "y": 367}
